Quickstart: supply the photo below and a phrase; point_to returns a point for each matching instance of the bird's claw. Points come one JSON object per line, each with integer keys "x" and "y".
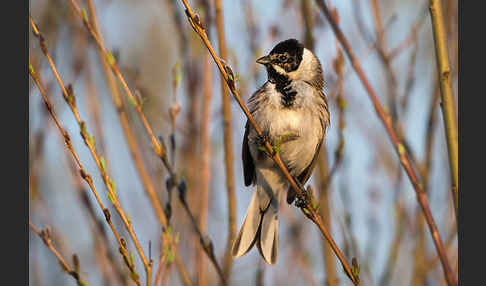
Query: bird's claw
{"x": 262, "y": 138}
{"x": 304, "y": 200}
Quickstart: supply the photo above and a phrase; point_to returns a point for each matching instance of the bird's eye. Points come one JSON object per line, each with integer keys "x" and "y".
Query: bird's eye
{"x": 283, "y": 58}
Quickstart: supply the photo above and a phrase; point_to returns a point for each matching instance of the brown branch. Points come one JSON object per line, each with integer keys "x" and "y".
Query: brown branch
{"x": 46, "y": 238}
{"x": 86, "y": 177}
{"x": 205, "y": 241}
{"x": 325, "y": 175}
{"x": 205, "y": 157}
{"x": 90, "y": 143}
{"x": 158, "y": 148}
{"x": 447, "y": 98}
{"x": 399, "y": 148}
{"x": 101, "y": 239}
{"x": 92, "y": 26}
{"x": 169, "y": 243}
{"x": 228, "y": 144}
{"x": 227, "y": 74}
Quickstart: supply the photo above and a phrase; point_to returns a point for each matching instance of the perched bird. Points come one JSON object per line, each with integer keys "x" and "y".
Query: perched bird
{"x": 292, "y": 112}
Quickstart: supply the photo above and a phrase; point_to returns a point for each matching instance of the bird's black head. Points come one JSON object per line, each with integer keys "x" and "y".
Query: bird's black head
{"x": 286, "y": 54}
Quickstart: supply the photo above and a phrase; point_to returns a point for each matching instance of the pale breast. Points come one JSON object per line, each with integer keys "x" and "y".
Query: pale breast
{"x": 298, "y": 129}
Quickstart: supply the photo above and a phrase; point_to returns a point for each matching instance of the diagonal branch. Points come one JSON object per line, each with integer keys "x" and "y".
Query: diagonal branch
{"x": 86, "y": 177}
{"x": 308, "y": 210}
{"x": 158, "y": 148}
{"x": 44, "y": 234}
{"x": 399, "y": 147}
{"x": 90, "y": 143}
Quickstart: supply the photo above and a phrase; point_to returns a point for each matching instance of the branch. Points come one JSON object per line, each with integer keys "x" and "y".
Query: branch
{"x": 228, "y": 144}
{"x": 86, "y": 176}
{"x": 92, "y": 27}
{"x": 399, "y": 147}
{"x": 90, "y": 143}
{"x": 157, "y": 146}
{"x": 447, "y": 99}
{"x": 227, "y": 74}
{"x": 46, "y": 238}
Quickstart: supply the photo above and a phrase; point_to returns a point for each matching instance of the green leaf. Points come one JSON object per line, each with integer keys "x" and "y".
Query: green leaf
{"x": 401, "y": 149}
{"x": 113, "y": 186}
{"x": 170, "y": 257}
{"x": 91, "y": 140}
{"x": 84, "y": 15}
{"x": 132, "y": 101}
{"x": 102, "y": 163}
{"x": 110, "y": 59}
{"x": 31, "y": 68}
{"x": 306, "y": 211}
{"x": 342, "y": 103}
{"x": 110, "y": 197}
{"x": 82, "y": 283}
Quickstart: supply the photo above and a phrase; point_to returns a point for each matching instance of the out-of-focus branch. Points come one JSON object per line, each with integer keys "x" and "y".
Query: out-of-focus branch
{"x": 306, "y": 208}
{"x": 169, "y": 243}
{"x": 90, "y": 143}
{"x": 158, "y": 148}
{"x": 228, "y": 143}
{"x": 329, "y": 264}
{"x": 101, "y": 249}
{"x": 309, "y": 24}
{"x": 447, "y": 99}
{"x": 92, "y": 26}
{"x": 395, "y": 247}
{"x": 326, "y": 175}
{"x": 419, "y": 271}
{"x": 205, "y": 157}
{"x": 86, "y": 177}
{"x": 399, "y": 147}
{"x": 46, "y": 238}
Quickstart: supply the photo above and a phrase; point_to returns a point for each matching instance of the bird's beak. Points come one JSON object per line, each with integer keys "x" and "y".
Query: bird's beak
{"x": 263, "y": 60}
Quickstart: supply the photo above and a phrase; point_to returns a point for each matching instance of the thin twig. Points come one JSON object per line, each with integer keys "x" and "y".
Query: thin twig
{"x": 228, "y": 144}
{"x": 447, "y": 99}
{"x": 92, "y": 26}
{"x": 307, "y": 209}
{"x": 86, "y": 177}
{"x": 90, "y": 143}
{"x": 158, "y": 148}
{"x": 46, "y": 238}
{"x": 205, "y": 173}
{"x": 399, "y": 148}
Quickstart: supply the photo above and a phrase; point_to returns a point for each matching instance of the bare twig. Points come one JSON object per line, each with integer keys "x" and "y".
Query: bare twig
{"x": 399, "y": 148}
{"x": 46, "y": 238}
{"x": 169, "y": 243}
{"x": 86, "y": 177}
{"x": 92, "y": 26}
{"x": 307, "y": 209}
{"x": 158, "y": 148}
{"x": 205, "y": 157}
{"x": 90, "y": 143}
{"x": 228, "y": 143}
{"x": 447, "y": 99}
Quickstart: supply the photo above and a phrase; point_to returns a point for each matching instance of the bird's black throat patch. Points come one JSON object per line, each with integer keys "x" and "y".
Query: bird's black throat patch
{"x": 282, "y": 85}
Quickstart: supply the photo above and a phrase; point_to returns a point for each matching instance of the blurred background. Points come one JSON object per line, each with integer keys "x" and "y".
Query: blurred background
{"x": 365, "y": 197}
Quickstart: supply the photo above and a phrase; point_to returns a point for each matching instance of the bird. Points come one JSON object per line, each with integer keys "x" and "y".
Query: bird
{"x": 291, "y": 110}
